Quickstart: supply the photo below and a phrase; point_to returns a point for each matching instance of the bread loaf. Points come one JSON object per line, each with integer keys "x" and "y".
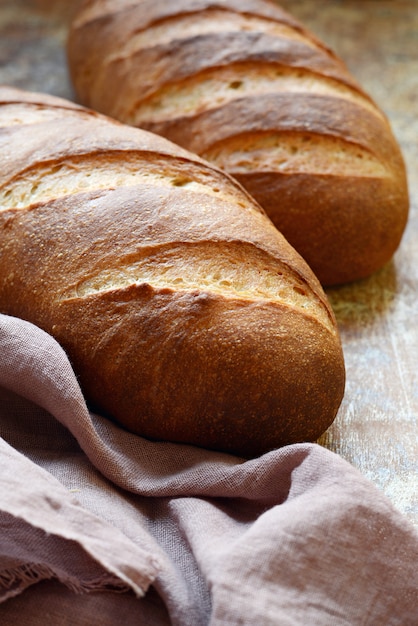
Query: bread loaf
{"x": 185, "y": 313}
{"x": 243, "y": 84}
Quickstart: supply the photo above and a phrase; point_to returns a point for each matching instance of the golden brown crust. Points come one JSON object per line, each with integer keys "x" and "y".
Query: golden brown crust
{"x": 179, "y": 59}
{"x": 238, "y": 83}
{"x": 370, "y": 237}
{"x": 185, "y": 313}
{"x": 238, "y": 388}
{"x": 13, "y": 95}
{"x": 100, "y": 31}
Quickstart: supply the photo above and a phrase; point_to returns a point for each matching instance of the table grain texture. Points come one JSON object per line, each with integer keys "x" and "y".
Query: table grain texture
{"x": 376, "y": 426}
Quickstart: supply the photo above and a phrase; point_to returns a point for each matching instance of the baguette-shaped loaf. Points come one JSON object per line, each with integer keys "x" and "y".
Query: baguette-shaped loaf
{"x": 243, "y": 84}
{"x": 185, "y": 313}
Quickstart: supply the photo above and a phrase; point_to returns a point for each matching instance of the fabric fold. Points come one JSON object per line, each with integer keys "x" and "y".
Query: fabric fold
{"x": 46, "y": 534}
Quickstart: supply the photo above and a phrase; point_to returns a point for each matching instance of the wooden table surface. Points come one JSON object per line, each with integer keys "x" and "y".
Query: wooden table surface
{"x": 376, "y": 427}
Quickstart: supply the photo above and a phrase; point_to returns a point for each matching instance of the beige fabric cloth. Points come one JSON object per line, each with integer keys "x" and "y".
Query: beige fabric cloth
{"x": 98, "y": 526}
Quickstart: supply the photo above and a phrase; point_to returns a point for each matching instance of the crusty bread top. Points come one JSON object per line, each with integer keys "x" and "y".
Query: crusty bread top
{"x": 90, "y": 153}
{"x": 173, "y": 41}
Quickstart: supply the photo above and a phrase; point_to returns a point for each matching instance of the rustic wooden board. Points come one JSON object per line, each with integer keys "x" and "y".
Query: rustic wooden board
{"x": 376, "y": 428}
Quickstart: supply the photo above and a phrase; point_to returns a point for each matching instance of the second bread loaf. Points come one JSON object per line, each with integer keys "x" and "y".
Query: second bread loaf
{"x": 243, "y": 84}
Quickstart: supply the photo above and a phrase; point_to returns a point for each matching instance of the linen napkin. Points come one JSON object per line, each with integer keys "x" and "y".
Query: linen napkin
{"x": 100, "y": 526}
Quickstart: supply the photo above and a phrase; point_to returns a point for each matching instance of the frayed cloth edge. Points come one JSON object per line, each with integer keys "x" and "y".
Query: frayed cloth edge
{"x": 14, "y": 581}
